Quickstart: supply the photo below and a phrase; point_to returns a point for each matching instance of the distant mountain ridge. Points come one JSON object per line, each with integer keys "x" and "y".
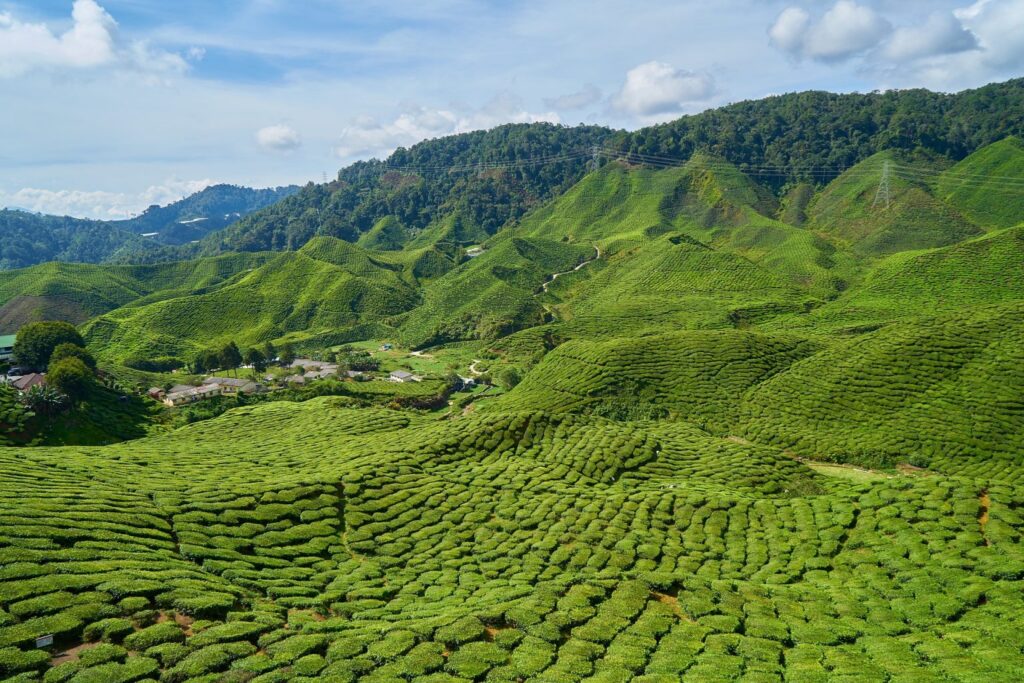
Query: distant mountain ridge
{"x": 29, "y": 238}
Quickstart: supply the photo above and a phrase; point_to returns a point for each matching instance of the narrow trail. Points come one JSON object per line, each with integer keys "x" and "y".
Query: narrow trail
{"x": 472, "y": 368}
{"x": 555, "y": 276}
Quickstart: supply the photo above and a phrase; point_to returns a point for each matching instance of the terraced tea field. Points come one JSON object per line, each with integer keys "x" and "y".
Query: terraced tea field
{"x": 315, "y": 542}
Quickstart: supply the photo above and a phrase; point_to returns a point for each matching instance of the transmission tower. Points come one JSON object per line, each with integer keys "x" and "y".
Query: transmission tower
{"x": 883, "y": 194}
{"x": 595, "y": 158}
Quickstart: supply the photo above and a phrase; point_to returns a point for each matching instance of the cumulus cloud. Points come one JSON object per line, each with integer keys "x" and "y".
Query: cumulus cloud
{"x": 658, "y": 88}
{"x": 845, "y": 30}
{"x": 279, "y": 138}
{"x": 590, "y": 94}
{"x": 940, "y": 34}
{"x": 99, "y": 204}
{"x": 91, "y": 42}
{"x": 947, "y": 50}
{"x": 370, "y": 137}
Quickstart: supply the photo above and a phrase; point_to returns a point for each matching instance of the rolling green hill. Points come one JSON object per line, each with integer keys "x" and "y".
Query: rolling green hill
{"x": 77, "y": 292}
{"x": 747, "y": 422}
{"x": 326, "y": 288}
{"x": 851, "y": 209}
{"x": 986, "y": 186}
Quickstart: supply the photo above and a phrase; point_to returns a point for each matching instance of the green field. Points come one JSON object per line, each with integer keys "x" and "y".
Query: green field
{"x": 740, "y": 431}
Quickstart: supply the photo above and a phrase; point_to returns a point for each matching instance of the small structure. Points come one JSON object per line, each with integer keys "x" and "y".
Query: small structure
{"x": 7, "y": 347}
{"x": 26, "y": 382}
{"x": 386, "y": 347}
{"x": 295, "y": 379}
{"x": 353, "y": 374}
{"x": 191, "y": 395}
{"x": 156, "y": 393}
{"x": 473, "y": 252}
{"x": 232, "y": 385}
{"x": 402, "y": 376}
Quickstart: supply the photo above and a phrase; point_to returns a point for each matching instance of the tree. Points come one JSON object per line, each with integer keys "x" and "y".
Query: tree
{"x": 206, "y": 361}
{"x": 44, "y": 400}
{"x": 287, "y": 354}
{"x": 508, "y": 378}
{"x": 71, "y": 377}
{"x": 230, "y": 357}
{"x": 269, "y": 351}
{"x": 68, "y": 350}
{"x": 36, "y": 342}
{"x": 256, "y": 359}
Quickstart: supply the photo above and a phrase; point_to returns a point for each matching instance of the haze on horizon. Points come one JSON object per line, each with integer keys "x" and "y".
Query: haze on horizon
{"x": 112, "y": 105}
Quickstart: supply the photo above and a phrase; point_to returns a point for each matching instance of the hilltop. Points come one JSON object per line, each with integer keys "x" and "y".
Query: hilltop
{"x": 27, "y": 238}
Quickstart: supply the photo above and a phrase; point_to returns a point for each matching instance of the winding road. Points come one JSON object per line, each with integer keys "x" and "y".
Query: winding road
{"x": 555, "y": 276}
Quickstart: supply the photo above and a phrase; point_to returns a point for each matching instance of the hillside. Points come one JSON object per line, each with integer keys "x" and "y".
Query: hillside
{"x": 27, "y": 239}
{"x": 486, "y": 180}
{"x": 679, "y": 419}
{"x": 77, "y": 292}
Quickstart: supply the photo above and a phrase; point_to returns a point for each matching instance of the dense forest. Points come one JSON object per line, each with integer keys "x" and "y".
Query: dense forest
{"x": 813, "y": 135}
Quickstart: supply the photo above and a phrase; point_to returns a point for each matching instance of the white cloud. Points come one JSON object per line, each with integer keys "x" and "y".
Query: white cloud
{"x": 91, "y": 42}
{"x": 790, "y": 29}
{"x": 845, "y": 30}
{"x": 99, "y": 204}
{"x": 279, "y": 138}
{"x": 941, "y": 34}
{"x": 590, "y": 94}
{"x": 370, "y": 137}
{"x": 659, "y": 88}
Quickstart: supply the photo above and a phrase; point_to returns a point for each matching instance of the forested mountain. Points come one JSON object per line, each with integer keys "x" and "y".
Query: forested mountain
{"x": 29, "y": 238}
{"x": 463, "y": 188}
{"x": 814, "y": 135}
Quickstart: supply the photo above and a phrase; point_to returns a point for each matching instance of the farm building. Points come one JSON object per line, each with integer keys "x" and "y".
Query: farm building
{"x": 26, "y": 382}
{"x": 402, "y": 376}
{"x": 233, "y": 385}
{"x": 7, "y": 347}
{"x": 191, "y": 395}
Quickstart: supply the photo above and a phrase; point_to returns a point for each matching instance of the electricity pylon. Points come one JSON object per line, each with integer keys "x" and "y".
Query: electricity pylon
{"x": 883, "y": 194}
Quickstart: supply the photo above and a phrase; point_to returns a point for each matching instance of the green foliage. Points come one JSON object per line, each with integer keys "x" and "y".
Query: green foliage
{"x": 37, "y": 341}
{"x": 14, "y": 416}
{"x": 68, "y": 350}
{"x": 71, "y": 377}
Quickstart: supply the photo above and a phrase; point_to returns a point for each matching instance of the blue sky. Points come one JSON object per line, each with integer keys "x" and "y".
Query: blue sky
{"x": 109, "y": 105}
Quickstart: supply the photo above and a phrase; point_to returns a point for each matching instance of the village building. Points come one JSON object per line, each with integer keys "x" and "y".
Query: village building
{"x": 7, "y": 347}
{"x": 402, "y": 376}
{"x": 191, "y": 395}
{"x": 233, "y": 385}
{"x": 25, "y": 382}
{"x": 295, "y": 379}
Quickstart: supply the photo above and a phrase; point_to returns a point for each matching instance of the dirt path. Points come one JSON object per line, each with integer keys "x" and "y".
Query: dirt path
{"x": 555, "y": 276}
{"x": 420, "y": 354}
{"x": 472, "y": 368}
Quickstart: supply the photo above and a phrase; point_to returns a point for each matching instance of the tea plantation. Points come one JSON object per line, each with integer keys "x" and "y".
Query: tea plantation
{"x": 760, "y": 436}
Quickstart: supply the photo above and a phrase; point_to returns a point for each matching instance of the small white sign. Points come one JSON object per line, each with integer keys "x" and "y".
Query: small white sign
{"x": 44, "y": 641}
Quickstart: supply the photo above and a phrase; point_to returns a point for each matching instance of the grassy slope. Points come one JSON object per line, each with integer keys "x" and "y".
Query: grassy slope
{"x": 915, "y": 218}
{"x": 532, "y": 539}
{"x": 78, "y": 291}
{"x": 988, "y": 186}
{"x": 326, "y": 286}
{"x": 360, "y": 543}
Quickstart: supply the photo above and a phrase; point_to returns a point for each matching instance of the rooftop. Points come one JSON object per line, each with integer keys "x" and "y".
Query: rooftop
{"x": 7, "y": 340}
